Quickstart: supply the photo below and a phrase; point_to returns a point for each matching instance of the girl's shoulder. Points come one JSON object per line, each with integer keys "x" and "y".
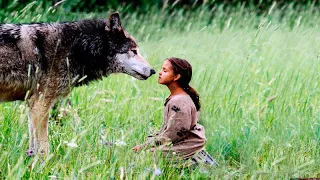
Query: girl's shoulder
{"x": 180, "y": 100}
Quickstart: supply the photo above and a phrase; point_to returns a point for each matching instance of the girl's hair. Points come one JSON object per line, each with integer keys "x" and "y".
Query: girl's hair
{"x": 182, "y": 67}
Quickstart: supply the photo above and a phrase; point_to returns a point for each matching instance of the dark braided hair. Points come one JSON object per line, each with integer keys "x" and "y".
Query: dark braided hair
{"x": 182, "y": 67}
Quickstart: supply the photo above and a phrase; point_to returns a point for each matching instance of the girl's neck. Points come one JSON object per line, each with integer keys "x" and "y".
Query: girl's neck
{"x": 176, "y": 90}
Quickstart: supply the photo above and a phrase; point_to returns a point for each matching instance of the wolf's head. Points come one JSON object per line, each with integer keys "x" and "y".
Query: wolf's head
{"x": 127, "y": 58}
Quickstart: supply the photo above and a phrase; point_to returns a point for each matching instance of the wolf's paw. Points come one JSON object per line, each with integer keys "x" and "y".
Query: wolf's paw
{"x": 30, "y": 153}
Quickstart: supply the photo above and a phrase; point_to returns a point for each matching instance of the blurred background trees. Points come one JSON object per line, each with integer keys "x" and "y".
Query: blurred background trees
{"x": 143, "y": 5}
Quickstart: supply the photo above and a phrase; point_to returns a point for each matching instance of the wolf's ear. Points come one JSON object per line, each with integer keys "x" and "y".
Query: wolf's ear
{"x": 113, "y": 22}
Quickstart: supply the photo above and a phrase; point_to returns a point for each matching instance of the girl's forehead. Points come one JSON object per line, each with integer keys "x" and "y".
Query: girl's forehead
{"x": 166, "y": 64}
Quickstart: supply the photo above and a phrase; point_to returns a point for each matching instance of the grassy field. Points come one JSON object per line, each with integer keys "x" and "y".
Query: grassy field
{"x": 258, "y": 77}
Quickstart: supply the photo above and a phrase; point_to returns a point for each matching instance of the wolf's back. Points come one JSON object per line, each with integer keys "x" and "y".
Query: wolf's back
{"x": 19, "y": 59}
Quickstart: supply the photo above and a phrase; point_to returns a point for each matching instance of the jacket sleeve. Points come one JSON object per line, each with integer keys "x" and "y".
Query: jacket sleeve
{"x": 179, "y": 122}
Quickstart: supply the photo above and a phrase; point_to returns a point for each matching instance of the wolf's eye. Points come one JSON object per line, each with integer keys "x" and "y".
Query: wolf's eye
{"x": 134, "y": 51}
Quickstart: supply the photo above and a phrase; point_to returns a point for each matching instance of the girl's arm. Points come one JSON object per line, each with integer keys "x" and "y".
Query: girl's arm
{"x": 179, "y": 123}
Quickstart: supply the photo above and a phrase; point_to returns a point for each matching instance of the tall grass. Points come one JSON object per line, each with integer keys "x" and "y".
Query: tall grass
{"x": 258, "y": 77}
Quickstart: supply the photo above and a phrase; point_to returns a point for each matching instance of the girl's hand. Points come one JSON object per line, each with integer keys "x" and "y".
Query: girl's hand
{"x": 137, "y": 148}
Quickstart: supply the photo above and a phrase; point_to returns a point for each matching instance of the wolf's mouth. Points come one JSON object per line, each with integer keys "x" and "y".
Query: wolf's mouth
{"x": 143, "y": 77}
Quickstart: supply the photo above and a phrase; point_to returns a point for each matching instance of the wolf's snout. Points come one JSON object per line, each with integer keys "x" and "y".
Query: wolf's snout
{"x": 152, "y": 71}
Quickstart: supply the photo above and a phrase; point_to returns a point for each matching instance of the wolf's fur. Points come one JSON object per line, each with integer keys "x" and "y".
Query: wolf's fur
{"x": 41, "y": 62}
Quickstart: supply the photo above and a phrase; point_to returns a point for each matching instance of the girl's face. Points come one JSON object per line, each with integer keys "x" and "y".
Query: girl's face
{"x": 166, "y": 75}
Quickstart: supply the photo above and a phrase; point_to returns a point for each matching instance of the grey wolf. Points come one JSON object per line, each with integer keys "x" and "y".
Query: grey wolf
{"x": 41, "y": 62}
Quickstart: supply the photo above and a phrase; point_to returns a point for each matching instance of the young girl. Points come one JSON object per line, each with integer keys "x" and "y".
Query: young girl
{"x": 180, "y": 133}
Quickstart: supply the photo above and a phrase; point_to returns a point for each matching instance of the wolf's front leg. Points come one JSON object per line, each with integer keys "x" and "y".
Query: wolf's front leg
{"x": 38, "y": 125}
{"x": 32, "y": 138}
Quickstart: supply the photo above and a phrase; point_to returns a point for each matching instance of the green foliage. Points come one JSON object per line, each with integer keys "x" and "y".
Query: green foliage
{"x": 258, "y": 77}
{"x": 142, "y": 6}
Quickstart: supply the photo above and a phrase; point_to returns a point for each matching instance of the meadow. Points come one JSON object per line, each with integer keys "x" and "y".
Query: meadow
{"x": 257, "y": 76}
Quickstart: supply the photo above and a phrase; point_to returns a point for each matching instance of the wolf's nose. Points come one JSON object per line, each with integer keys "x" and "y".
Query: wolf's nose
{"x": 152, "y": 71}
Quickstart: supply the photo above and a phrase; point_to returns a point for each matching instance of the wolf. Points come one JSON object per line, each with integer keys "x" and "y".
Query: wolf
{"x": 41, "y": 62}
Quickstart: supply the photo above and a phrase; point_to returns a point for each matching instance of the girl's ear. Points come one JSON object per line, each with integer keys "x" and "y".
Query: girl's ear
{"x": 178, "y": 76}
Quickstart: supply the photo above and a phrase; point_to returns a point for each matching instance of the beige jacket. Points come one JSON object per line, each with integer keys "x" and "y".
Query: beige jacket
{"x": 180, "y": 131}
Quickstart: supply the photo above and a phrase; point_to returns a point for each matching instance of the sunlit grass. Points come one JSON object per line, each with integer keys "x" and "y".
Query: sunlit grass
{"x": 258, "y": 77}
